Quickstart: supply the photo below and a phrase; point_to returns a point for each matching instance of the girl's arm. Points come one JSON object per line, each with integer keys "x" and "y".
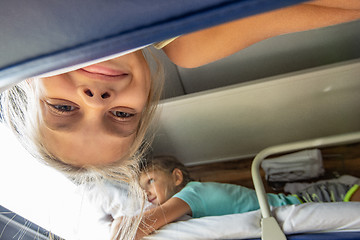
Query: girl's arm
{"x": 217, "y": 42}
{"x": 157, "y": 217}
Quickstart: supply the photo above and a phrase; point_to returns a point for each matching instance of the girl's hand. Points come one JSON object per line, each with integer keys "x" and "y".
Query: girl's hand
{"x": 155, "y": 218}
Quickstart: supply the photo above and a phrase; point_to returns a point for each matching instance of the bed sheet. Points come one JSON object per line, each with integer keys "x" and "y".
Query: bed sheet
{"x": 293, "y": 219}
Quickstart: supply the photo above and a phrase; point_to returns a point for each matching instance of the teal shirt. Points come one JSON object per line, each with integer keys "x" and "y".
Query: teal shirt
{"x": 216, "y": 199}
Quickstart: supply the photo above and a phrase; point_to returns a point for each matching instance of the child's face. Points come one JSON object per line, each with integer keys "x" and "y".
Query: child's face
{"x": 96, "y": 107}
{"x": 159, "y": 186}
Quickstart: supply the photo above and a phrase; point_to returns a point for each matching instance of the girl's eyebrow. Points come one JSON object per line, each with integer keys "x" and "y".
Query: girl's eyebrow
{"x": 68, "y": 126}
{"x": 64, "y": 127}
{"x": 58, "y": 123}
{"x": 121, "y": 129}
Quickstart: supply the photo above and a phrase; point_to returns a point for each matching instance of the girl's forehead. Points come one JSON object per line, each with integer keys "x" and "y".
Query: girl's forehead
{"x": 154, "y": 173}
{"x": 146, "y": 174}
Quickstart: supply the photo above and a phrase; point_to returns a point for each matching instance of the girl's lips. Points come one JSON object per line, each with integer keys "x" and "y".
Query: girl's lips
{"x": 104, "y": 74}
{"x": 99, "y": 69}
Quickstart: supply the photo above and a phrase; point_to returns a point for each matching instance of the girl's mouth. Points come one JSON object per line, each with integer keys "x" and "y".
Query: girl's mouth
{"x": 103, "y": 70}
{"x": 101, "y": 73}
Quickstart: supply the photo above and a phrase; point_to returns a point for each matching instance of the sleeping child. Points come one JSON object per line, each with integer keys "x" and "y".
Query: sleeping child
{"x": 168, "y": 186}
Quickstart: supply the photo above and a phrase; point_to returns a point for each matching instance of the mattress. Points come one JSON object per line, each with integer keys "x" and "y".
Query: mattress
{"x": 295, "y": 220}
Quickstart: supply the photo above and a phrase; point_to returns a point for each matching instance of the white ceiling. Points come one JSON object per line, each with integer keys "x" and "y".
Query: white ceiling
{"x": 268, "y": 97}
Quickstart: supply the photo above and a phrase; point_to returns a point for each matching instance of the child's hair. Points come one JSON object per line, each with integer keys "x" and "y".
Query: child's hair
{"x": 19, "y": 110}
{"x": 166, "y": 164}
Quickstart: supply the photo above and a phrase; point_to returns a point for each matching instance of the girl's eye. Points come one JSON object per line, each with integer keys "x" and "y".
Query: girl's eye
{"x": 151, "y": 180}
{"x": 63, "y": 108}
{"x": 120, "y": 114}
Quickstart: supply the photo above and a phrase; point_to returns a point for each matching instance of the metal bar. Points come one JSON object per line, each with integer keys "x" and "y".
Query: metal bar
{"x": 290, "y": 147}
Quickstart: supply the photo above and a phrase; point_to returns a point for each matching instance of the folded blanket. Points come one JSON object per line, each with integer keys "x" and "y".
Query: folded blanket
{"x": 293, "y": 167}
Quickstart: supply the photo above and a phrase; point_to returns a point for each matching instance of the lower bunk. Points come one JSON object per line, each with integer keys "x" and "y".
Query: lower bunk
{"x": 332, "y": 220}
{"x": 339, "y": 220}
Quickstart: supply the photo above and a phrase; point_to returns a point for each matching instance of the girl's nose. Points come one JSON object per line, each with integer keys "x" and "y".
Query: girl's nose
{"x": 96, "y": 97}
{"x": 91, "y": 94}
{"x": 148, "y": 194}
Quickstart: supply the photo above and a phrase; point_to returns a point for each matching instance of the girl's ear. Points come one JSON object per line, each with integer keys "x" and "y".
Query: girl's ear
{"x": 178, "y": 176}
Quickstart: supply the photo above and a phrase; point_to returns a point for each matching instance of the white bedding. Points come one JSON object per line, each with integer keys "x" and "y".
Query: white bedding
{"x": 70, "y": 216}
{"x": 310, "y": 217}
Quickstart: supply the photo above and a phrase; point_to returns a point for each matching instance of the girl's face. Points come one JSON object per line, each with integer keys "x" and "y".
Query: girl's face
{"x": 159, "y": 186}
{"x": 91, "y": 115}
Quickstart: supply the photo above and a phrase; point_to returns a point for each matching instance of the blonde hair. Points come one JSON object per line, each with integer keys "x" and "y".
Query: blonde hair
{"x": 19, "y": 106}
